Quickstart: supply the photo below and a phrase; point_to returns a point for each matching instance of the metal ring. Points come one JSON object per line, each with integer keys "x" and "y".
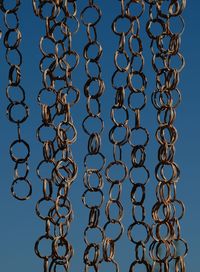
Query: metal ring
{"x": 28, "y": 184}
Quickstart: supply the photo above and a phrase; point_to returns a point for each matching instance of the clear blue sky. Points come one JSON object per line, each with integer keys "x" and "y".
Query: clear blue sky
{"x": 19, "y": 226}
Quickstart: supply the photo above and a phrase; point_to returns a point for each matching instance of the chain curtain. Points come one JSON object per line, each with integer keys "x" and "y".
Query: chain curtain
{"x": 158, "y": 250}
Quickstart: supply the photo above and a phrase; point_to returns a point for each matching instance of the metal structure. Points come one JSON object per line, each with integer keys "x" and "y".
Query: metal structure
{"x": 158, "y": 250}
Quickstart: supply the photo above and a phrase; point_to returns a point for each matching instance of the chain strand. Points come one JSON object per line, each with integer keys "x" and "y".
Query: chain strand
{"x": 17, "y": 110}
{"x": 57, "y": 132}
{"x": 117, "y": 171}
{"x": 134, "y": 10}
{"x": 93, "y": 179}
{"x": 168, "y": 249}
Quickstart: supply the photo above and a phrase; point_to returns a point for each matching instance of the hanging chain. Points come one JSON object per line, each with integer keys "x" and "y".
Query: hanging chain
{"x": 94, "y": 160}
{"x": 57, "y": 170}
{"x": 168, "y": 249}
{"x": 117, "y": 171}
{"x": 139, "y": 138}
{"x": 17, "y": 110}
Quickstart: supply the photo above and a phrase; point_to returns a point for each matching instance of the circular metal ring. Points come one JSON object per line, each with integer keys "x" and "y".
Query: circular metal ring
{"x": 20, "y": 159}
{"x": 96, "y": 9}
{"x": 11, "y": 10}
{"x": 15, "y": 44}
{"x": 114, "y": 25}
{"x": 10, "y": 114}
{"x": 13, "y": 189}
{"x": 120, "y": 179}
{"x": 14, "y": 100}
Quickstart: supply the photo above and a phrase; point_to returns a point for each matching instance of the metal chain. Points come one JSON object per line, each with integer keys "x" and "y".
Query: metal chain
{"x": 168, "y": 249}
{"x": 116, "y": 171}
{"x": 17, "y": 110}
{"x": 139, "y": 138}
{"x": 57, "y": 170}
{"x": 94, "y": 160}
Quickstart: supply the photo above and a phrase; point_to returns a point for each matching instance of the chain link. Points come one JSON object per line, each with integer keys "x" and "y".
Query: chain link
{"x": 168, "y": 249}
{"x": 17, "y": 110}
{"x": 93, "y": 179}
{"x": 57, "y": 170}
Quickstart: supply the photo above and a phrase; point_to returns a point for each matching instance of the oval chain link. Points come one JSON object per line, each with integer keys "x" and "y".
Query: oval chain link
{"x": 17, "y": 110}
{"x": 57, "y": 170}
{"x": 93, "y": 178}
{"x": 168, "y": 249}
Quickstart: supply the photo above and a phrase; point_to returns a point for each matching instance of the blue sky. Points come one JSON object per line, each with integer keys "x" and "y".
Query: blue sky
{"x": 19, "y": 226}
